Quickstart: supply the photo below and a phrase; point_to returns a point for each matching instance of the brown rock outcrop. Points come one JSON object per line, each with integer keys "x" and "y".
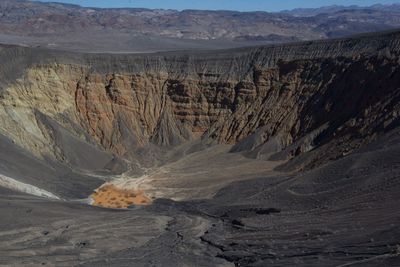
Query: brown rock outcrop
{"x": 300, "y": 101}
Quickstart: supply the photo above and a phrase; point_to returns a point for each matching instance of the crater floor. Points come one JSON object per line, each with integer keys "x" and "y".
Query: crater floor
{"x": 342, "y": 214}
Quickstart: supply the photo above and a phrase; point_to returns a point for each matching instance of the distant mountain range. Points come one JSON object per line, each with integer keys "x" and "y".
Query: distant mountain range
{"x": 66, "y": 26}
{"x": 336, "y": 8}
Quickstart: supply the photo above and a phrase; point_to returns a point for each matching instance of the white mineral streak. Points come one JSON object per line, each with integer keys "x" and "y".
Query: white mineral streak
{"x": 15, "y": 185}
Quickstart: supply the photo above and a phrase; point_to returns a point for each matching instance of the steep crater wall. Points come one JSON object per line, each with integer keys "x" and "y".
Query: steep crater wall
{"x": 326, "y": 98}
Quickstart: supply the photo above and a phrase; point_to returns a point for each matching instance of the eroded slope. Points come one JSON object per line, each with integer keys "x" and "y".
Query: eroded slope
{"x": 272, "y": 102}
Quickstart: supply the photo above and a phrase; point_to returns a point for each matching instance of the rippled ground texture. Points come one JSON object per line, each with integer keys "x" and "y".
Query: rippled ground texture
{"x": 342, "y": 214}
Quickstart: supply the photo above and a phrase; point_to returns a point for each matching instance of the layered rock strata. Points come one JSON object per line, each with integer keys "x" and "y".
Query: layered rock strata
{"x": 272, "y": 102}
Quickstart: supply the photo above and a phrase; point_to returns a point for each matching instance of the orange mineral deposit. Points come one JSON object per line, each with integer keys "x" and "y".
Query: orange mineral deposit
{"x": 110, "y": 196}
